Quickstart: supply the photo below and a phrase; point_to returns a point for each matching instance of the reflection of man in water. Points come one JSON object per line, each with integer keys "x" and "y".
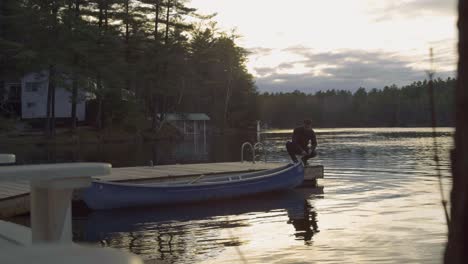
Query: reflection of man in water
{"x": 300, "y": 141}
{"x": 305, "y": 224}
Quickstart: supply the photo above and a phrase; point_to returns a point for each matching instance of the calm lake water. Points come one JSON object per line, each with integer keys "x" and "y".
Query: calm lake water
{"x": 381, "y": 203}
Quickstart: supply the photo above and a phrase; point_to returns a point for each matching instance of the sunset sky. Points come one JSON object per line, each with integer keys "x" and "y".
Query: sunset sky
{"x": 312, "y": 45}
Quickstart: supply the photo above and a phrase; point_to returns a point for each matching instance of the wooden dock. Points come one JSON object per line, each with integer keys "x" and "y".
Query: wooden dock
{"x": 14, "y": 196}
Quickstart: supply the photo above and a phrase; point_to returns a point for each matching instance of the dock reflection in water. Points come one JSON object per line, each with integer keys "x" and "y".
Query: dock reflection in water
{"x": 192, "y": 233}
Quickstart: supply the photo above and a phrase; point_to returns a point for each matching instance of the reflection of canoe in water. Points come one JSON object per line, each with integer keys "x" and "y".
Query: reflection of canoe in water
{"x": 107, "y": 195}
{"x": 101, "y": 224}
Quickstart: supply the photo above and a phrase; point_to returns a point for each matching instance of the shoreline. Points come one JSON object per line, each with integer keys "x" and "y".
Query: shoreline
{"x": 64, "y": 137}
{"x": 86, "y": 135}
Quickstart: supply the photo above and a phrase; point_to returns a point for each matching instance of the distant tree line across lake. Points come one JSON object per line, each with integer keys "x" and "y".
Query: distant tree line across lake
{"x": 140, "y": 59}
{"x": 391, "y": 106}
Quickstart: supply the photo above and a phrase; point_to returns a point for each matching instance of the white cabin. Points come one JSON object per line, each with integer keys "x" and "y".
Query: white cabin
{"x": 34, "y": 88}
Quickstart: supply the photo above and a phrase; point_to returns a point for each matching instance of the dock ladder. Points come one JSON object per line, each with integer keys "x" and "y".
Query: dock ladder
{"x": 254, "y": 147}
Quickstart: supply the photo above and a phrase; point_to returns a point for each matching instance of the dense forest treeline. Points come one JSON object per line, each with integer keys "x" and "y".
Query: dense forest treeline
{"x": 140, "y": 59}
{"x": 391, "y": 106}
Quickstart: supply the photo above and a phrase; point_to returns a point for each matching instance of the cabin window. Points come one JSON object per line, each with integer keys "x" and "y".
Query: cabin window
{"x": 31, "y": 104}
{"x": 13, "y": 92}
{"x": 33, "y": 87}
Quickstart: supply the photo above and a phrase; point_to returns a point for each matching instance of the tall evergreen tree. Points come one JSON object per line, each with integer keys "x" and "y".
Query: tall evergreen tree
{"x": 143, "y": 54}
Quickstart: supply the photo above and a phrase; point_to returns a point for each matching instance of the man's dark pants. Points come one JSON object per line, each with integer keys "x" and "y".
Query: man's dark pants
{"x": 293, "y": 150}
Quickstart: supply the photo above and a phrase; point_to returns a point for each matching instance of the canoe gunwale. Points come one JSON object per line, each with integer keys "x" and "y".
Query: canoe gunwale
{"x": 262, "y": 174}
{"x": 109, "y": 195}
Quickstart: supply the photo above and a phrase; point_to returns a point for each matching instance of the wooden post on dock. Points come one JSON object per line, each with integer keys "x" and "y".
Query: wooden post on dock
{"x": 51, "y": 209}
{"x": 51, "y": 191}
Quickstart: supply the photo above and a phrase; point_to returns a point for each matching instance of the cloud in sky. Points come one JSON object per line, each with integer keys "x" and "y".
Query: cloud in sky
{"x": 262, "y": 51}
{"x": 394, "y": 9}
{"x": 343, "y": 69}
{"x": 340, "y": 44}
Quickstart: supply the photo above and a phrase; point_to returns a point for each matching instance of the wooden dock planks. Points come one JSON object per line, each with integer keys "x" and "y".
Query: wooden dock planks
{"x": 14, "y": 196}
{"x": 8, "y": 189}
{"x": 178, "y": 170}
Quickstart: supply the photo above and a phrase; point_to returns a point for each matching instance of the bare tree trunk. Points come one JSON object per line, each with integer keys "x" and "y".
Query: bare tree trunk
{"x": 50, "y": 112}
{"x": 228, "y": 96}
{"x": 182, "y": 90}
{"x": 3, "y": 13}
{"x": 457, "y": 246}
{"x": 157, "y": 7}
{"x": 166, "y": 37}
{"x": 49, "y": 103}
{"x": 154, "y": 113}
{"x": 52, "y": 85}
{"x": 127, "y": 42}
{"x": 163, "y": 105}
{"x": 156, "y": 83}
{"x": 74, "y": 98}
{"x": 99, "y": 104}
{"x": 102, "y": 19}
{"x": 106, "y": 15}
{"x": 3, "y": 27}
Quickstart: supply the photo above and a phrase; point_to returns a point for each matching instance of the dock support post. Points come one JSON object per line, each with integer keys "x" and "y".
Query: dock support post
{"x": 51, "y": 218}
{"x": 204, "y": 136}
{"x": 51, "y": 215}
{"x": 51, "y": 192}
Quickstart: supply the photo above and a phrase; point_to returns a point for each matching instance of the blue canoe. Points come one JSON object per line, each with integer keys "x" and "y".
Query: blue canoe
{"x": 109, "y": 195}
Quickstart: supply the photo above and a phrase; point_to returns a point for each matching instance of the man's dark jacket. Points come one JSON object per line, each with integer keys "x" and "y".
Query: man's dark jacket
{"x": 301, "y": 137}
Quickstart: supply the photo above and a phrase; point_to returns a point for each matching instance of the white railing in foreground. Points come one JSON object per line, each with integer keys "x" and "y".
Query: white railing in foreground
{"x": 51, "y": 192}
{"x": 69, "y": 254}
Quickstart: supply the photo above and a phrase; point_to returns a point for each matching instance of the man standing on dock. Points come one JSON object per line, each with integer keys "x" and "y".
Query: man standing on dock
{"x": 300, "y": 141}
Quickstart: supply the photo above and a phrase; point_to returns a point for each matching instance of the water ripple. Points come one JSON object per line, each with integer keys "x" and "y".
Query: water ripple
{"x": 380, "y": 205}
